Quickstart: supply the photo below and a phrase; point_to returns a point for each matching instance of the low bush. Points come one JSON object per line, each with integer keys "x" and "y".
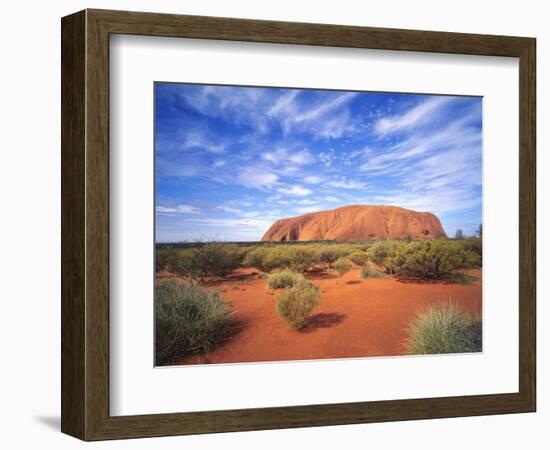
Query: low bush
{"x": 296, "y": 304}
{"x": 302, "y": 258}
{"x": 432, "y": 259}
{"x": 342, "y": 266}
{"x": 370, "y": 272}
{"x": 269, "y": 258}
{"x": 217, "y": 259}
{"x": 381, "y": 251}
{"x": 188, "y": 320}
{"x": 203, "y": 260}
{"x": 182, "y": 262}
{"x": 284, "y": 279}
{"x": 329, "y": 254}
{"x": 445, "y": 329}
{"x": 360, "y": 258}
{"x": 254, "y": 258}
{"x": 423, "y": 259}
{"x": 163, "y": 258}
{"x": 474, "y": 245}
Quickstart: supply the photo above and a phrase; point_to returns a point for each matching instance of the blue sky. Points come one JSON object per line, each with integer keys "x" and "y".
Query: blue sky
{"x": 230, "y": 161}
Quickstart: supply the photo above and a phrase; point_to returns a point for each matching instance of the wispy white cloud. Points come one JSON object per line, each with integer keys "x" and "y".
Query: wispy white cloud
{"x": 294, "y": 190}
{"x": 413, "y": 117}
{"x": 256, "y": 177}
{"x": 230, "y": 210}
{"x": 458, "y": 132}
{"x": 240, "y": 222}
{"x": 307, "y": 201}
{"x": 284, "y": 103}
{"x": 301, "y": 157}
{"x": 197, "y": 139}
{"x": 326, "y": 117}
{"x": 177, "y": 209}
{"x": 313, "y": 179}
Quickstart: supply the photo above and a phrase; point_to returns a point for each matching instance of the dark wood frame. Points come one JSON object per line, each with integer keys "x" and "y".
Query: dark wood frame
{"x": 85, "y": 224}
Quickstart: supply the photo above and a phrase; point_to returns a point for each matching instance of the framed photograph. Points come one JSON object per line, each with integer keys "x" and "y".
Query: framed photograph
{"x": 273, "y": 225}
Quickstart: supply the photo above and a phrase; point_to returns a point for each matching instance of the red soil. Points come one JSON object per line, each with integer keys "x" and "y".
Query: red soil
{"x": 356, "y": 317}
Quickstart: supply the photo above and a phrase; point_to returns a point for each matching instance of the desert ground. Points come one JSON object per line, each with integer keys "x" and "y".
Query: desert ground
{"x": 356, "y": 317}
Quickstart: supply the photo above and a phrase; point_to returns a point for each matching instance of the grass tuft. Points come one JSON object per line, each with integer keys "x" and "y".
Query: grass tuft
{"x": 188, "y": 320}
{"x": 445, "y": 329}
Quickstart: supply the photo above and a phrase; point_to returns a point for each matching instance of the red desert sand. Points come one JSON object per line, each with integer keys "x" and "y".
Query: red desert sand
{"x": 356, "y": 317}
{"x": 356, "y": 223}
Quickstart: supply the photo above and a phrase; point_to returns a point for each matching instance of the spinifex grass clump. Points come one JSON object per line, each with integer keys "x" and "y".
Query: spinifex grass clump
{"x": 188, "y": 320}
{"x": 284, "y": 279}
{"x": 445, "y": 329}
{"x": 296, "y": 304}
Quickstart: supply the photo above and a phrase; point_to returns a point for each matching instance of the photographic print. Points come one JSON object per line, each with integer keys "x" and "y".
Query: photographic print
{"x": 306, "y": 224}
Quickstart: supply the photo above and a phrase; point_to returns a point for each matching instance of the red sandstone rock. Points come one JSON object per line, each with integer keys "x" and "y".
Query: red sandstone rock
{"x": 355, "y": 223}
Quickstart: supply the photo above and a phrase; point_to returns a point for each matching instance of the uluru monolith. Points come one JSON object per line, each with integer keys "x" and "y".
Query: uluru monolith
{"x": 356, "y": 223}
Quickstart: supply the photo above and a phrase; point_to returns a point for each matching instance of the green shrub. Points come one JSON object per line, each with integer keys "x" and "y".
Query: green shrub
{"x": 329, "y": 253}
{"x": 370, "y": 272}
{"x": 360, "y": 258}
{"x": 255, "y": 257}
{"x": 431, "y": 259}
{"x": 217, "y": 259}
{"x": 445, "y": 330}
{"x": 209, "y": 259}
{"x": 282, "y": 257}
{"x": 296, "y": 304}
{"x": 182, "y": 262}
{"x": 163, "y": 258}
{"x": 284, "y": 279}
{"x": 381, "y": 252}
{"x": 188, "y": 320}
{"x": 342, "y": 266}
{"x": 474, "y": 245}
{"x": 302, "y": 258}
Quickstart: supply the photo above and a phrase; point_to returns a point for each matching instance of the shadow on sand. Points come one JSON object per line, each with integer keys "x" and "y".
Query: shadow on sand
{"x": 232, "y": 278}
{"x": 454, "y": 278}
{"x": 321, "y": 276}
{"x": 323, "y": 320}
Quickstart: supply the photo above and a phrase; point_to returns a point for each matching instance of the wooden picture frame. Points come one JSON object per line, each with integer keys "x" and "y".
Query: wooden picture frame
{"x": 85, "y": 224}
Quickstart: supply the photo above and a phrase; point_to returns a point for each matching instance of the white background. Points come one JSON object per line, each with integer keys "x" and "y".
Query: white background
{"x": 30, "y": 231}
{"x": 138, "y": 388}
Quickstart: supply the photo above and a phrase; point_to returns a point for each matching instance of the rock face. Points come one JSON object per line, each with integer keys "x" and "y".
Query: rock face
{"x": 356, "y": 223}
